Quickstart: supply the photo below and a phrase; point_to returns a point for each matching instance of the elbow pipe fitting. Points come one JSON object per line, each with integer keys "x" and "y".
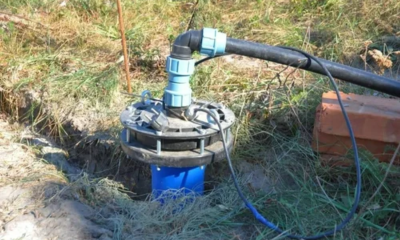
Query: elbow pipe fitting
{"x": 185, "y": 44}
{"x": 208, "y": 42}
{"x": 180, "y": 65}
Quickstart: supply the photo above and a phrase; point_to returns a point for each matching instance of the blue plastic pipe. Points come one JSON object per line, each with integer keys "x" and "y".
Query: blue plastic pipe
{"x": 173, "y": 180}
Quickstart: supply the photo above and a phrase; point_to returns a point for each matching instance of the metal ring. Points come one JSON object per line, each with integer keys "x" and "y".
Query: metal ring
{"x": 143, "y": 97}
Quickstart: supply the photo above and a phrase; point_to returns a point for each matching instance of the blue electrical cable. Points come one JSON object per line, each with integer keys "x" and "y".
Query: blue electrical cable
{"x": 256, "y": 214}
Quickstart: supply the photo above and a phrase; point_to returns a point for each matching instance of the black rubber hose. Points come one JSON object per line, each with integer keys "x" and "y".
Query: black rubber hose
{"x": 295, "y": 59}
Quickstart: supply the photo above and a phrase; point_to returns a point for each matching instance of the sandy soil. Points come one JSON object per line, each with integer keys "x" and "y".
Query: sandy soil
{"x": 33, "y": 204}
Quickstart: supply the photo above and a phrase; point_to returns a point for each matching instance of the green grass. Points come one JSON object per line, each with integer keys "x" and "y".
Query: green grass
{"x": 70, "y": 69}
{"x": 307, "y": 199}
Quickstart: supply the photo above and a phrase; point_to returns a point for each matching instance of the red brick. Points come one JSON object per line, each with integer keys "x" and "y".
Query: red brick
{"x": 375, "y": 122}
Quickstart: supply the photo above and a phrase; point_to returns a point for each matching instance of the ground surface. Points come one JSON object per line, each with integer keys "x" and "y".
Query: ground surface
{"x": 30, "y": 201}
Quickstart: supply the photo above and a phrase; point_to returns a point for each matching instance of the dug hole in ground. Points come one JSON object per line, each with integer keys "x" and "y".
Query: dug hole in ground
{"x": 44, "y": 196}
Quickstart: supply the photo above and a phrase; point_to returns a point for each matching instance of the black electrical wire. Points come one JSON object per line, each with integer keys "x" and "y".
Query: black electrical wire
{"x": 257, "y": 215}
{"x": 209, "y": 58}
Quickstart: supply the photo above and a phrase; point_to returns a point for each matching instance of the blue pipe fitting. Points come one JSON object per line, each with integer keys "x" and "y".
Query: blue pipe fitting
{"x": 213, "y": 42}
{"x": 185, "y": 180}
{"x": 178, "y": 92}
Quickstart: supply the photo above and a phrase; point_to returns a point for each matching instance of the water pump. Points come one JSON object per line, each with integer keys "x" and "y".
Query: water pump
{"x": 177, "y": 145}
{"x": 170, "y": 135}
{"x": 178, "y": 135}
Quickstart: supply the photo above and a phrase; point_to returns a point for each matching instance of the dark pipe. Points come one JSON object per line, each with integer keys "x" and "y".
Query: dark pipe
{"x": 186, "y": 43}
{"x": 295, "y": 59}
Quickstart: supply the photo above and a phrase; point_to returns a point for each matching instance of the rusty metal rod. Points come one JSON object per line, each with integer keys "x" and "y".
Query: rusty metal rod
{"x": 124, "y": 48}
